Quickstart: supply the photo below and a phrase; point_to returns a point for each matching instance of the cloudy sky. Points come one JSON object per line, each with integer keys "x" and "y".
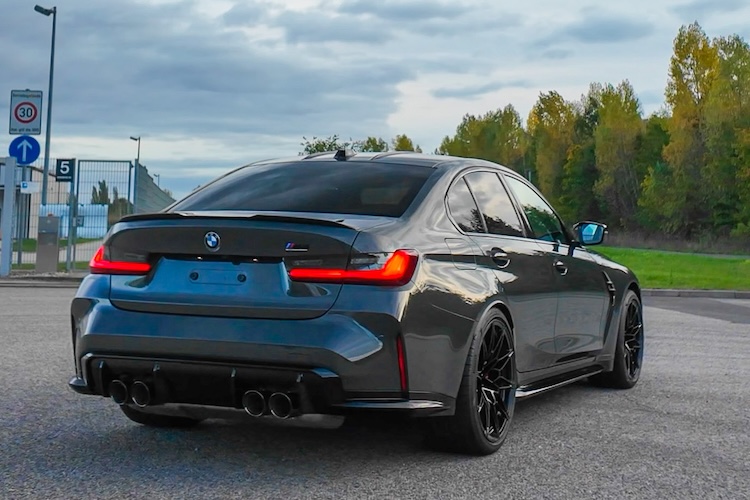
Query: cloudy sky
{"x": 212, "y": 84}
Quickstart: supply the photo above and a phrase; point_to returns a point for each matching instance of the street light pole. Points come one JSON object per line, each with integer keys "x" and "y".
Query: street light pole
{"x": 135, "y": 175}
{"x": 138, "y": 155}
{"x": 158, "y": 179}
{"x": 53, "y": 13}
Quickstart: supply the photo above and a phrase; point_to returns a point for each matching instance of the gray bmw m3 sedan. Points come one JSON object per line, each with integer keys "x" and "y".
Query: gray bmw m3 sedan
{"x": 336, "y": 283}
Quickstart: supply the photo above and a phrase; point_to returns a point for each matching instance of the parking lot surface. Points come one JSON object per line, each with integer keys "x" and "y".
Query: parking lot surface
{"x": 682, "y": 432}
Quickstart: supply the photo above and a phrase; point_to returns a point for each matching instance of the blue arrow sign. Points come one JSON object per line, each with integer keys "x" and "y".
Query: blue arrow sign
{"x": 25, "y": 149}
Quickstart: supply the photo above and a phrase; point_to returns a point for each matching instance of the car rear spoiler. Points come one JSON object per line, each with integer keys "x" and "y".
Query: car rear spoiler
{"x": 234, "y": 215}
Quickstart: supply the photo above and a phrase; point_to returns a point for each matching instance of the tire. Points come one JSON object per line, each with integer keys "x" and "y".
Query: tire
{"x": 152, "y": 420}
{"x": 629, "y": 348}
{"x": 487, "y": 395}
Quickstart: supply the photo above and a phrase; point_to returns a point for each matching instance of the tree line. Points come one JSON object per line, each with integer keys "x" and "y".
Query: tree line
{"x": 118, "y": 205}
{"x": 683, "y": 171}
{"x": 369, "y": 145}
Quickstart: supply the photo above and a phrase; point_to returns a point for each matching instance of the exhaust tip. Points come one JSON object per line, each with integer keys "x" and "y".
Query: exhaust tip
{"x": 280, "y": 405}
{"x": 140, "y": 394}
{"x": 254, "y": 403}
{"x": 118, "y": 391}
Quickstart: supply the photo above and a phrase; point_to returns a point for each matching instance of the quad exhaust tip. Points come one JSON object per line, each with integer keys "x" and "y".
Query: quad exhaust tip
{"x": 254, "y": 403}
{"x": 118, "y": 391}
{"x": 140, "y": 394}
{"x": 280, "y": 405}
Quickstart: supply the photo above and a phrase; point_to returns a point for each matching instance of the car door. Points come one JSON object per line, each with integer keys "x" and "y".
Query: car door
{"x": 529, "y": 288}
{"x": 583, "y": 296}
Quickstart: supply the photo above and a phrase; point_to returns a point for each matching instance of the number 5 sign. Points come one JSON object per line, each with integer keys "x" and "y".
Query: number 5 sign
{"x": 65, "y": 169}
{"x": 25, "y": 112}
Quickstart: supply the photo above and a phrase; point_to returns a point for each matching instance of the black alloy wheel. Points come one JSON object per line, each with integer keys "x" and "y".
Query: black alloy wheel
{"x": 633, "y": 340}
{"x": 487, "y": 395}
{"x": 629, "y": 348}
{"x": 495, "y": 375}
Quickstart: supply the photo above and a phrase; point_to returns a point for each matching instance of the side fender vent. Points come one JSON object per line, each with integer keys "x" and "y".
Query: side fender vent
{"x": 610, "y": 288}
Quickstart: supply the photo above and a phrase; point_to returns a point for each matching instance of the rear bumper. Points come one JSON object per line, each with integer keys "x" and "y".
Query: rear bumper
{"x": 341, "y": 362}
{"x": 190, "y": 387}
{"x": 208, "y": 383}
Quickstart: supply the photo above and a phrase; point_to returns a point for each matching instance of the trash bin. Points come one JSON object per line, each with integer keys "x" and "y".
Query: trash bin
{"x": 48, "y": 244}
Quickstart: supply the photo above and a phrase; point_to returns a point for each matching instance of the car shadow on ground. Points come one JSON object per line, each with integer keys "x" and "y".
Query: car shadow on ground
{"x": 362, "y": 438}
{"x": 107, "y": 448}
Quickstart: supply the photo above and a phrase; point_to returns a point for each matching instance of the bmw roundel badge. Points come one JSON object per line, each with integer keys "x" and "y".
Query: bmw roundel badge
{"x": 212, "y": 241}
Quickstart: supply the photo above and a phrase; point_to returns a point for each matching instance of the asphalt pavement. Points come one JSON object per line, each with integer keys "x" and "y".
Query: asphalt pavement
{"x": 681, "y": 433}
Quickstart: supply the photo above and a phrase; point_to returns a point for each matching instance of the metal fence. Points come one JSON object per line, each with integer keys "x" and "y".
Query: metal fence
{"x": 101, "y": 192}
{"x": 28, "y": 210}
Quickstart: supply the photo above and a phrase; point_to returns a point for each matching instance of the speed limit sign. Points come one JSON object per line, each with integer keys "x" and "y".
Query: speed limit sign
{"x": 25, "y": 112}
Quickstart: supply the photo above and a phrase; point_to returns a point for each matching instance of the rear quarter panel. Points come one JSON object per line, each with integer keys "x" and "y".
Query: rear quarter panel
{"x": 448, "y": 294}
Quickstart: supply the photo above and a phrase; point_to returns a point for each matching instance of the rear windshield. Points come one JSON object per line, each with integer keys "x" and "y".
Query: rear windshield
{"x": 351, "y": 187}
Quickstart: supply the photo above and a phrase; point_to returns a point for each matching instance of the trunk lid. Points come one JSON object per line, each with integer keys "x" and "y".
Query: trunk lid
{"x": 231, "y": 263}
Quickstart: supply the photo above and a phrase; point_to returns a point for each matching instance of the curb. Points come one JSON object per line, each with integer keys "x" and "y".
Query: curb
{"x": 45, "y": 279}
{"x": 712, "y": 294}
{"x": 42, "y": 281}
{"x": 37, "y": 283}
{"x": 67, "y": 281}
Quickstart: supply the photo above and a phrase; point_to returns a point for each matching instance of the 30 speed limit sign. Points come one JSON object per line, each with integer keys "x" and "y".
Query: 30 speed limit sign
{"x": 25, "y": 112}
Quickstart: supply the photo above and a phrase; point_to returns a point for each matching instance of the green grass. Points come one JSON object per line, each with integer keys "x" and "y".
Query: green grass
{"x": 29, "y": 245}
{"x": 656, "y": 269}
{"x": 77, "y": 266}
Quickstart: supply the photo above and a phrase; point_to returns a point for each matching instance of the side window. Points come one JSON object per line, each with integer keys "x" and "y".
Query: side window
{"x": 495, "y": 204}
{"x": 544, "y": 223}
{"x": 463, "y": 209}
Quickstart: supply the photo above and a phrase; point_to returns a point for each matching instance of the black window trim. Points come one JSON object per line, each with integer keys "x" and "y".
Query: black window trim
{"x": 460, "y": 176}
{"x": 456, "y": 180}
{"x": 525, "y": 219}
{"x": 528, "y": 234}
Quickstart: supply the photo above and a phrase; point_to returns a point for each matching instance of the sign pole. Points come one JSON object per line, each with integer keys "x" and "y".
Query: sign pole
{"x": 75, "y": 226}
{"x": 6, "y": 224}
{"x": 20, "y": 219}
{"x": 71, "y": 213}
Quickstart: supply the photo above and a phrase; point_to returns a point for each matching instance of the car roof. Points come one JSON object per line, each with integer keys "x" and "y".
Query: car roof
{"x": 439, "y": 162}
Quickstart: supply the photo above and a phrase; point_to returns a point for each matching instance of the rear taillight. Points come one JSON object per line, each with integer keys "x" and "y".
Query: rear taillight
{"x": 99, "y": 264}
{"x": 397, "y": 270}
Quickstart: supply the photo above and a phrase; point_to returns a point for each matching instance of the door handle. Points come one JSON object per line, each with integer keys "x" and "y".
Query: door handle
{"x": 500, "y": 258}
{"x": 561, "y": 268}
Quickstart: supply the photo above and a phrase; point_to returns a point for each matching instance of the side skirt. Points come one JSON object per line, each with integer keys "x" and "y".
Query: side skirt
{"x": 550, "y": 384}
